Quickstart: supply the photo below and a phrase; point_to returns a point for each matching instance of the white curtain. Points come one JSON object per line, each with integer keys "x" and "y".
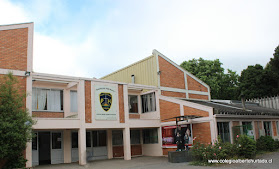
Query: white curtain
{"x": 41, "y": 102}
{"x": 74, "y": 106}
{"x": 34, "y": 99}
{"x": 53, "y": 100}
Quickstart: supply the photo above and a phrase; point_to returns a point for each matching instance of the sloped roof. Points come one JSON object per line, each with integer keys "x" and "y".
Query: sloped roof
{"x": 235, "y": 107}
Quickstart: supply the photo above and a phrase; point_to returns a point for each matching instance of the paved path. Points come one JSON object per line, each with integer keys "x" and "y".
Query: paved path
{"x": 161, "y": 163}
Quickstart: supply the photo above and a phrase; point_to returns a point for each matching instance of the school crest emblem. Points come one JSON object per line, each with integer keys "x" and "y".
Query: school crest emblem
{"x": 105, "y": 100}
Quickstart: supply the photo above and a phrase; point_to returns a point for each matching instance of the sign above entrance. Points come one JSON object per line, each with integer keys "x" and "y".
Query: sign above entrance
{"x": 105, "y": 102}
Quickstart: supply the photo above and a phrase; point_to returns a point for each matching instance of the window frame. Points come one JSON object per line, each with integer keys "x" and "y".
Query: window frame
{"x": 138, "y": 103}
{"x": 49, "y": 89}
{"x": 154, "y": 102}
{"x": 150, "y": 138}
{"x": 223, "y": 129}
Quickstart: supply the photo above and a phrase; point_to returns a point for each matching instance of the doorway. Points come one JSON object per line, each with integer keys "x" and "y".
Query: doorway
{"x": 44, "y": 148}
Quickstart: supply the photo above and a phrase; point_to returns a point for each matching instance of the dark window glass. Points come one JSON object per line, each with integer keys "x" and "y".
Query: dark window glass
{"x": 95, "y": 138}
{"x": 150, "y": 136}
{"x": 102, "y": 138}
{"x": 117, "y": 137}
{"x": 88, "y": 139}
{"x": 224, "y": 131}
{"x": 34, "y": 142}
{"x": 135, "y": 136}
{"x": 74, "y": 140}
{"x": 133, "y": 104}
{"x": 267, "y": 128}
{"x": 56, "y": 140}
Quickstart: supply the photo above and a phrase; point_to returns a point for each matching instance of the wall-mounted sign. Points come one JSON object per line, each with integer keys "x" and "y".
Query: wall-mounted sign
{"x": 105, "y": 102}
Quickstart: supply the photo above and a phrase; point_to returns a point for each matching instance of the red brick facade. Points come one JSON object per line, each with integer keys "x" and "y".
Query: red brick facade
{"x": 136, "y": 150}
{"x": 170, "y": 75}
{"x": 197, "y": 96}
{"x": 173, "y": 94}
{"x": 13, "y": 49}
{"x": 274, "y": 128}
{"x": 195, "y": 85}
{"x": 134, "y": 116}
{"x": 88, "y": 112}
{"x": 48, "y": 114}
{"x": 193, "y": 111}
{"x": 121, "y": 104}
{"x": 168, "y": 110}
{"x": 202, "y": 132}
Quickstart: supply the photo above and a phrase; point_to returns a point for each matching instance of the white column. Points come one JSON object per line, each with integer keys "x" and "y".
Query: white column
{"x": 67, "y": 146}
{"x": 127, "y": 143}
{"x": 82, "y": 130}
{"x": 29, "y": 154}
{"x": 109, "y": 144}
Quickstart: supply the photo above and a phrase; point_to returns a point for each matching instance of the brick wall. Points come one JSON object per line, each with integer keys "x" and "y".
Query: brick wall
{"x": 193, "y": 111}
{"x": 88, "y": 113}
{"x": 256, "y": 130}
{"x": 169, "y": 110}
{"x": 195, "y": 85}
{"x": 13, "y": 49}
{"x": 202, "y": 132}
{"x": 48, "y": 114}
{"x": 198, "y": 96}
{"x": 166, "y": 150}
{"x": 170, "y": 75}
{"x": 134, "y": 116}
{"x": 173, "y": 94}
{"x": 118, "y": 151}
{"x": 274, "y": 128}
{"x": 136, "y": 150}
{"x": 121, "y": 104}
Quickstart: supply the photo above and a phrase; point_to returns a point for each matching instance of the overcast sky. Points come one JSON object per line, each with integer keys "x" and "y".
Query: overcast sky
{"x": 93, "y": 38}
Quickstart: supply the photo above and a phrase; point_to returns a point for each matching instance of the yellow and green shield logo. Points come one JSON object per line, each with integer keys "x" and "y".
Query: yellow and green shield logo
{"x": 105, "y": 100}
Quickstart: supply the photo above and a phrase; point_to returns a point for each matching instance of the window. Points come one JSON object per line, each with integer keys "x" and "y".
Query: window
{"x": 47, "y": 99}
{"x": 74, "y": 140}
{"x": 224, "y": 131}
{"x": 117, "y": 137}
{"x": 133, "y": 104}
{"x": 277, "y": 127}
{"x": 99, "y": 138}
{"x": 148, "y": 102}
{"x": 34, "y": 142}
{"x": 135, "y": 136}
{"x": 169, "y": 134}
{"x": 56, "y": 140}
{"x": 267, "y": 128}
{"x": 150, "y": 136}
{"x": 74, "y": 106}
{"x": 88, "y": 139}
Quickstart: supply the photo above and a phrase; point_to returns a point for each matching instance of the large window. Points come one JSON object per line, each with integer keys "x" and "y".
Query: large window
{"x": 117, "y": 137}
{"x": 169, "y": 134}
{"x": 150, "y": 136}
{"x": 74, "y": 139}
{"x": 47, "y": 99}
{"x": 148, "y": 102}
{"x": 99, "y": 138}
{"x": 133, "y": 104}
{"x": 277, "y": 127}
{"x": 34, "y": 142}
{"x": 74, "y": 105}
{"x": 267, "y": 128}
{"x": 224, "y": 131}
{"x": 135, "y": 136}
{"x": 56, "y": 140}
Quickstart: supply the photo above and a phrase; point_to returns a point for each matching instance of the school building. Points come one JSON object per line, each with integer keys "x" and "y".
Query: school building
{"x": 131, "y": 112}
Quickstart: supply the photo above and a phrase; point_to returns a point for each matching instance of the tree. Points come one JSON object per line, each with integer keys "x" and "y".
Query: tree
{"x": 15, "y": 122}
{"x": 272, "y": 69}
{"x": 255, "y": 82}
{"x": 222, "y": 85}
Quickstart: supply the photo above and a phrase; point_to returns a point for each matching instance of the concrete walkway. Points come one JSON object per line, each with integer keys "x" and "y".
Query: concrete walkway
{"x": 161, "y": 163}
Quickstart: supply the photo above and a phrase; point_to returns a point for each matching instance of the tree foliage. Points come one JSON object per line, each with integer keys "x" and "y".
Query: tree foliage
{"x": 223, "y": 85}
{"x": 15, "y": 121}
{"x": 256, "y": 81}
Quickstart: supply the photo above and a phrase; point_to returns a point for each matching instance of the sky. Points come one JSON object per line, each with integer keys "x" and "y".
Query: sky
{"x": 92, "y": 38}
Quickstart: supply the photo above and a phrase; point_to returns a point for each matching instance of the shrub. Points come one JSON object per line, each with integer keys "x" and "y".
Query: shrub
{"x": 266, "y": 143}
{"x": 246, "y": 147}
{"x": 16, "y": 162}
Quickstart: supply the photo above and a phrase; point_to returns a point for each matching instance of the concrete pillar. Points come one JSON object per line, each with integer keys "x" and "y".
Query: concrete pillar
{"x": 109, "y": 144}
{"x": 67, "y": 102}
{"x": 127, "y": 143}
{"x": 29, "y": 154}
{"x": 82, "y": 130}
{"x": 67, "y": 146}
